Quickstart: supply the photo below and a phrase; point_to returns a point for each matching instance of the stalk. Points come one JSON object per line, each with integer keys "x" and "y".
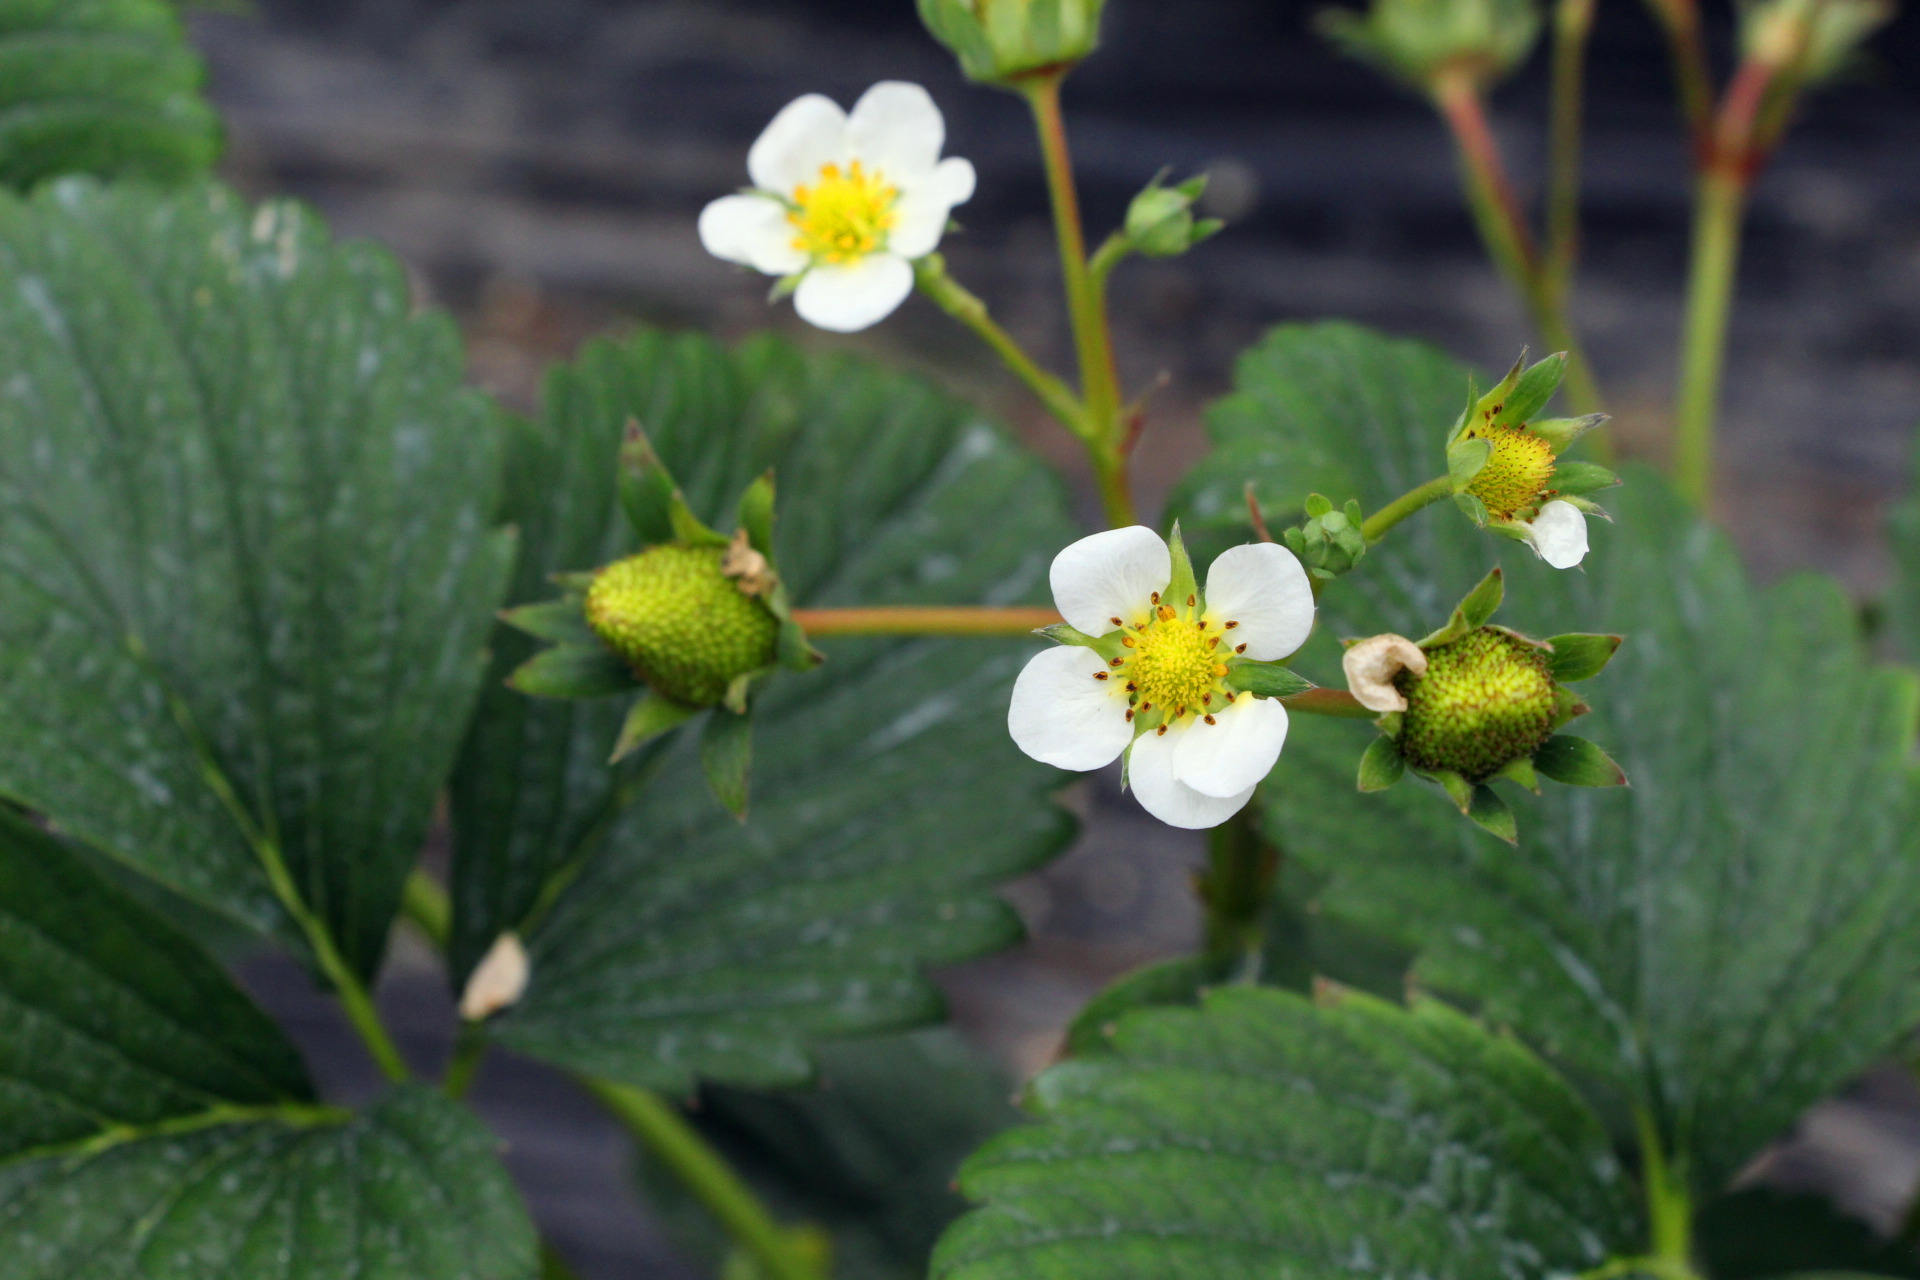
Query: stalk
{"x": 1375, "y": 526}
{"x": 919, "y": 620}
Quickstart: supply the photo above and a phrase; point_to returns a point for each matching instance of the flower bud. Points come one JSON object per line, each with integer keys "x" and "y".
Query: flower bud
{"x": 1486, "y": 699}
{"x": 681, "y": 621}
{"x": 1002, "y": 41}
{"x": 1330, "y": 543}
{"x": 1160, "y": 221}
{"x": 1810, "y": 41}
{"x": 1420, "y": 40}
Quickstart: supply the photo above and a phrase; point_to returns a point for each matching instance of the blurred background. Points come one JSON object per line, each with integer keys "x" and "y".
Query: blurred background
{"x": 540, "y": 163}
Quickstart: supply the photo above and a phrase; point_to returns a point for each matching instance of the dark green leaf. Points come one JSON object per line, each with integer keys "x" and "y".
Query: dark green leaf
{"x": 409, "y": 1191}
{"x": 870, "y": 1153}
{"x": 100, "y": 86}
{"x": 110, "y": 1020}
{"x": 245, "y": 566}
{"x": 887, "y": 798}
{"x": 1261, "y": 1135}
{"x": 1726, "y": 941}
{"x": 1581, "y": 657}
{"x": 756, "y": 513}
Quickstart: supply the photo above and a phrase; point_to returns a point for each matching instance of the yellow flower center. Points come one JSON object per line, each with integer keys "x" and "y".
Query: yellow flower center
{"x": 1174, "y": 664}
{"x": 843, "y": 216}
{"x": 1518, "y": 468}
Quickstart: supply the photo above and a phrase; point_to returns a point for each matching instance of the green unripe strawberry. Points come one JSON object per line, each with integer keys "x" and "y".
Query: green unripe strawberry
{"x": 684, "y": 625}
{"x": 1486, "y": 699}
{"x": 1518, "y": 468}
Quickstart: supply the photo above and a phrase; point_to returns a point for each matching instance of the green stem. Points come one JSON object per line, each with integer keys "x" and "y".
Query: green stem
{"x": 1235, "y": 889}
{"x": 1328, "y": 702}
{"x": 1503, "y": 229}
{"x": 469, "y": 1047}
{"x": 918, "y": 620}
{"x": 425, "y": 903}
{"x": 1375, "y": 526}
{"x": 1692, "y": 75}
{"x": 1572, "y": 25}
{"x": 1720, "y": 203}
{"x": 1109, "y": 437}
{"x": 664, "y": 1132}
{"x": 1669, "y": 1207}
{"x": 930, "y": 273}
{"x": 553, "y": 1266}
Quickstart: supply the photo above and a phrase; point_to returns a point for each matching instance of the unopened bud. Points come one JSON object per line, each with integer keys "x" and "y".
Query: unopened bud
{"x": 1004, "y": 41}
{"x": 1160, "y": 221}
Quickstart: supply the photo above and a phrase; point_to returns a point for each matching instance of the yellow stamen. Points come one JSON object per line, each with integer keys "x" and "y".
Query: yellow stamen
{"x": 845, "y": 215}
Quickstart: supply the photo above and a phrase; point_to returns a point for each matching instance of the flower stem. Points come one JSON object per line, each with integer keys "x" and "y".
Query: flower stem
{"x": 1572, "y": 25}
{"x": 1719, "y": 204}
{"x": 1669, "y": 1207}
{"x": 1109, "y": 438}
{"x": 1503, "y": 228}
{"x": 1375, "y": 526}
{"x": 1328, "y": 702}
{"x": 425, "y": 903}
{"x": 1235, "y": 888}
{"x": 664, "y": 1132}
{"x": 1692, "y": 76}
{"x": 469, "y": 1046}
{"x": 930, "y": 273}
{"x": 921, "y": 620}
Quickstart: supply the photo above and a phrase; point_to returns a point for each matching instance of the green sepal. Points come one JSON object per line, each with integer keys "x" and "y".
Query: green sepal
{"x": 1567, "y": 705}
{"x": 1062, "y": 633}
{"x": 726, "y": 754}
{"x": 1473, "y": 509}
{"x": 1181, "y": 586}
{"x": 755, "y": 514}
{"x": 785, "y": 286}
{"x": 1581, "y": 477}
{"x": 1562, "y": 432}
{"x": 1466, "y": 459}
{"x": 574, "y": 671}
{"x": 1472, "y": 612}
{"x": 653, "y": 502}
{"x": 1491, "y": 812}
{"x": 792, "y": 648}
{"x": 1330, "y": 543}
{"x": 1382, "y": 765}
{"x": 649, "y": 717}
{"x": 1458, "y": 789}
{"x": 1531, "y": 391}
{"x": 1581, "y": 657}
{"x": 1265, "y": 679}
{"x": 1466, "y": 417}
{"x": 562, "y": 621}
{"x": 1577, "y": 763}
{"x": 1520, "y": 769}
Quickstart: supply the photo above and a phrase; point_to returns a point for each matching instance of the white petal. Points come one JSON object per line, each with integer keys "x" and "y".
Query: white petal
{"x": 1110, "y": 575}
{"x": 809, "y": 132}
{"x": 843, "y": 297}
{"x": 1559, "y": 534}
{"x": 1262, "y": 587}
{"x": 1150, "y": 774}
{"x": 921, "y": 215}
{"x": 1372, "y": 664}
{"x": 1061, "y": 715}
{"x": 753, "y": 231}
{"x": 1233, "y": 753}
{"x": 896, "y": 129}
{"x": 498, "y": 981}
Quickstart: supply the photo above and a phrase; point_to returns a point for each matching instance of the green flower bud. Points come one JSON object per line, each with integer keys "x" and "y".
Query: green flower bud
{"x": 1002, "y": 41}
{"x": 1810, "y": 40}
{"x": 685, "y": 626}
{"x": 1420, "y": 40}
{"x": 1160, "y": 221}
{"x": 1330, "y": 542}
{"x": 1486, "y": 700}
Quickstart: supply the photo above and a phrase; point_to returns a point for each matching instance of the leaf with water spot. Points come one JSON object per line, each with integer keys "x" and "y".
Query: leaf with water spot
{"x": 887, "y": 798}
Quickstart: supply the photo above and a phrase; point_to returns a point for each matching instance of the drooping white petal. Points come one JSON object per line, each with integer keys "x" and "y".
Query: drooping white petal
{"x": 846, "y": 296}
{"x": 896, "y": 130}
{"x": 1262, "y": 587}
{"x": 1062, "y": 715}
{"x": 1559, "y": 534}
{"x": 809, "y": 132}
{"x": 1371, "y": 665}
{"x": 1110, "y": 575}
{"x": 1150, "y": 772}
{"x": 1233, "y": 753}
{"x": 498, "y": 981}
{"x": 920, "y": 217}
{"x": 753, "y": 231}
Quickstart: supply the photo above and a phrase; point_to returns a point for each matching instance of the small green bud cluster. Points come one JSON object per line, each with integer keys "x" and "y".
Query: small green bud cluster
{"x": 1330, "y": 542}
{"x": 1485, "y": 700}
{"x": 1004, "y": 41}
{"x": 686, "y": 628}
{"x": 1160, "y": 221}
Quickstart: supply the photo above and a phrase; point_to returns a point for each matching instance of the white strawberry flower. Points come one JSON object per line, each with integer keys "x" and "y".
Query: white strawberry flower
{"x": 1150, "y": 675}
{"x": 843, "y": 202}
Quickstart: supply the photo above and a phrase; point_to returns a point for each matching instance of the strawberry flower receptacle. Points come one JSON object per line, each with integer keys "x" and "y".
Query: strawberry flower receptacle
{"x": 1177, "y": 678}
{"x": 843, "y": 202}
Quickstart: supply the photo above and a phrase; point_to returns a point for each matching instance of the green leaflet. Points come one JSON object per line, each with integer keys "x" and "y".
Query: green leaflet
{"x": 1725, "y": 941}
{"x": 100, "y": 86}
{"x": 246, "y": 570}
{"x": 887, "y": 797}
{"x": 408, "y": 1191}
{"x": 1903, "y": 600}
{"x": 111, "y": 1020}
{"x": 1264, "y": 1135}
{"x": 869, "y": 1154}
